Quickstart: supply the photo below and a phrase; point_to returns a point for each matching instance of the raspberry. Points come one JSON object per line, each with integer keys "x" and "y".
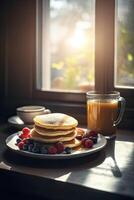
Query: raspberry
{"x": 93, "y": 133}
{"x": 88, "y": 143}
{"x": 26, "y": 130}
{"x": 60, "y": 147}
{"x": 25, "y": 133}
{"x": 20, "y": 145}
{"x": 83, "y": 141}
{"x": 52, "y": 150}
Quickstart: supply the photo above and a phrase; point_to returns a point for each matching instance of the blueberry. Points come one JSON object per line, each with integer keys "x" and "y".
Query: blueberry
{"x": 44, "y": 150}
{"x": 36, "y": 149}
{"x": 28, "y": 141}
{"x": 68, "y": 150}
{"x": 18, "y": 140}
{"x": 36, "y": 144}
{"x": 30, "y": 147}
{"x": 94, "y": 139}
{"x": 25, "y": 147}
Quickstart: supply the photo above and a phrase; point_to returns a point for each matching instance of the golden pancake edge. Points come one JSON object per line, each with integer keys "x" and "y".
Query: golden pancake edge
{"x": 56, "y": 121}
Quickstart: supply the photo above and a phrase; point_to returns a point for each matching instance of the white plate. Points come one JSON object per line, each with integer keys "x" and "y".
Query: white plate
{"x": 11, "y": 140}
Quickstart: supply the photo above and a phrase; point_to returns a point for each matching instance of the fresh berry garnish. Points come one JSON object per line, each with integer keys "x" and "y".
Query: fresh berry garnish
{"x": 83, "y": 141}
{"x": 30, "y": 147}
{"x": 44, "y": 150}
{"x": 26, "y": 130}
{"x": 18, "y": 140}
{"x": 25, "y": 133}
{"x": 26, "y": 141}
{"x": 68, "y": 150}
{"x": 20, "y": 145}
{"x": 25, "y": 147}
{"x": 88, "y": 143}
{"x": 60, "y": 147}
{"x": 93, "y": 133}
{"x": 94, "y": 139}
{"x": 35, "y": 149}
{"x": 52, "y": 150}
{"x": 37, "y": 144}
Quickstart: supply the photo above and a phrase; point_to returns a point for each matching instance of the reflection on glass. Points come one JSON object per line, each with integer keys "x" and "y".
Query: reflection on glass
{"x": 71, "y": 40}
{"x": 124, "y": 44}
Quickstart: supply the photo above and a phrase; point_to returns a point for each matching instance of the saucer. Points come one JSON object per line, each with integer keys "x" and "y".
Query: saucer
{"x": 16, "y": 122}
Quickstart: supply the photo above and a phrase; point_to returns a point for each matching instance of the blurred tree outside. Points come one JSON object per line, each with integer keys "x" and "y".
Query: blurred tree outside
{"x": 72, "y": 43}
{"x": 125, "y": 44}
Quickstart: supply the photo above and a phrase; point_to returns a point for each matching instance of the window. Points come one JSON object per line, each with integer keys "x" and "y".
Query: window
{"x": 67, "y": 61}
{"x": 124, "y": 72}
{"x": 51, "y": 69}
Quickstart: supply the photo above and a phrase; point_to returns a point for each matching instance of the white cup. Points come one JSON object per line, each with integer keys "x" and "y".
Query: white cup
{"x": 27, "y": 113}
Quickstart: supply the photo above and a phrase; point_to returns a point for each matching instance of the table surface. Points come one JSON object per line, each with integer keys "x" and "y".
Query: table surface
{"x": 109, "y": 172}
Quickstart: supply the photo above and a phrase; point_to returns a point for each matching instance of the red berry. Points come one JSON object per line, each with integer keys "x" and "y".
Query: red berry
{"x": 88, "y": 143}
{"x": 20, "y": 145}
{"x": 83, "y": 141}
{"x": 52, "y": 150}
{"x": 29, "y": 135}
{"x": 24, "y": 140}
{"x": 25, "y": 133}
{"x": 26, "y": 130}
{"x": 60, "y": 147}
{"x": 93, "y": 133}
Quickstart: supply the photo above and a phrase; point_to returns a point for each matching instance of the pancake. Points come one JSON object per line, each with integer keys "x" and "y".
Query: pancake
{"x": 51, "y": 133}
{"x": 55, "y": 121}
{"x": 73, "y": 143}
{"x": 54, "y": 139}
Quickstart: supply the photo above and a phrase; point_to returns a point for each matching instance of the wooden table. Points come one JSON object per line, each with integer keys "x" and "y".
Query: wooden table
{"x": 108, "y": 174}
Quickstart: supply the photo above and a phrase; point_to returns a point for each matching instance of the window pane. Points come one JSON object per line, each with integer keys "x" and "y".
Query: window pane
{"x": 68, "y": 45}
{"x": 125, "y": 44}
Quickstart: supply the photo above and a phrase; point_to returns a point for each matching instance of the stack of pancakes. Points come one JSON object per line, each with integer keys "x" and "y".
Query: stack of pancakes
{"x": 55, "y": 127}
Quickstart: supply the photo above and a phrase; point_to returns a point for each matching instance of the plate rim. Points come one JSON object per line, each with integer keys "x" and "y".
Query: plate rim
{"x": 79, "y": 153}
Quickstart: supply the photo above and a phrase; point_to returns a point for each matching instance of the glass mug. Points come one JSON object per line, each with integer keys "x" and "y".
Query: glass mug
{"x": 104, "y": 112}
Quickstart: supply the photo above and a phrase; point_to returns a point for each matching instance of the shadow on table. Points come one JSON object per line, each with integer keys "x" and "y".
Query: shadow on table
{"x": 21, "y": 163}
{"x": 89, "y": 161}
{"x": 110, "y": 156}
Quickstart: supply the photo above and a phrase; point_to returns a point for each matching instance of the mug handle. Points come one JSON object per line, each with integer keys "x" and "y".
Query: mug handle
{"x": 122, "y": 109}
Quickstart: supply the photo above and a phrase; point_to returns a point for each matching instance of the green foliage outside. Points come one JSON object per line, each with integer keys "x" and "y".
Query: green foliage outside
{"x": 125, "y": 47}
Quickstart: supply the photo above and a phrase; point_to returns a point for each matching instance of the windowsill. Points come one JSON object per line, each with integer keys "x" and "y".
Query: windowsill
{"x": 96, "y": 175}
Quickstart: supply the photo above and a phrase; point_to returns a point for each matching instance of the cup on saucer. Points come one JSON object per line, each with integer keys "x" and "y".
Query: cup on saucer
{"x": 27, "y": 113}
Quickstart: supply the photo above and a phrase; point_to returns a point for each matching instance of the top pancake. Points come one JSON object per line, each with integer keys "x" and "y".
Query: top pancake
{"x": 55, "y": 121}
